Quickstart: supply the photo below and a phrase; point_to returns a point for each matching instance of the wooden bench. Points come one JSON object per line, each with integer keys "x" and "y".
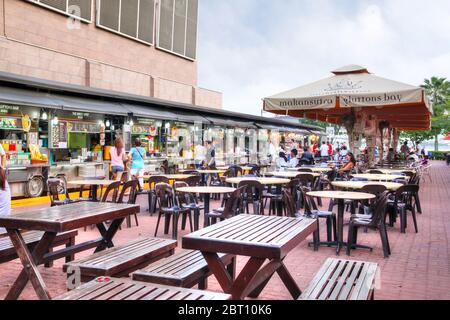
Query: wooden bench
{"x": 125, "y": 289}
{"x": 342, "y": 280}
{"x": 184, "y": 269}
{"x": 122, "y": 260}
{"x": 31, "y": 238}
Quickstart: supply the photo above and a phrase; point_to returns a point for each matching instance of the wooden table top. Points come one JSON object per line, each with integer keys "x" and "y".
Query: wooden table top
{"x": 258, "y": 236}
{"x": 211, "y": 171}
{"x": 316, "y": 170}
{"x": 341, "y": 195}
{"x": 361, "y": 184}
{"x": 68, "y": 217}
{"x": 105, "y": 288}
{"x": 291, "y": 174}
{"x": 378, "y": 177}
{"x": 265, "y": 181}
{"x": 214, "y": 190}
{"x": 90, "y": 182}
{"x": 228, "y": 167}
{"x": 389, "y": 171}
{"x": 170, "y": 176}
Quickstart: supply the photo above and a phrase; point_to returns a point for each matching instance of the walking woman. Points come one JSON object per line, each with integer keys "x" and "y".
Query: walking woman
{"x": 137, "y": 156}
{"x": 5, "y": 196}
{"x": 118, "y": 157}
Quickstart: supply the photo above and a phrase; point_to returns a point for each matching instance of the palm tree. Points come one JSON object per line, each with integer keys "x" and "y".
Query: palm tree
{"x": 438, "y": 90}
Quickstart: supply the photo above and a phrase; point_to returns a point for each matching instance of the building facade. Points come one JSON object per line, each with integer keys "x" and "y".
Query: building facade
{"x": 142, "y": 47}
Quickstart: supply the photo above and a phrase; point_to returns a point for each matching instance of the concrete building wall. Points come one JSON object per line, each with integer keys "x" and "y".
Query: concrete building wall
{"x": 37, "y": 42}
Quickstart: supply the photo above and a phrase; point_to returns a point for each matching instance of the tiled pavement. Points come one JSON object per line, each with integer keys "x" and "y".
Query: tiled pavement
{"x": 419, "y": 267}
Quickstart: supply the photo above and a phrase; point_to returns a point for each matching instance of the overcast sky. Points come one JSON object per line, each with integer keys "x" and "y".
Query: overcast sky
{"x": 251, "y": 49}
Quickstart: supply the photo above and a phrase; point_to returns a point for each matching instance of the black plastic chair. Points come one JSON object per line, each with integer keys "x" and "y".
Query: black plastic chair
{"x": 189, "y": 201}
{"x": 230, "y": 210}
{"x": 402, "y": 203}
{"x": 56, "y": 188}
{"x": 376, "y": 222}
{"x": 170, "y": 208}
{"x": 152, "y": 198}
{"x": 130, "y": 189}
{"x": 253, "y": 194}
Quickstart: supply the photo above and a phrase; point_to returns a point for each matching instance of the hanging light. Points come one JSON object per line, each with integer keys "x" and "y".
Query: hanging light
{"x": 55, "y": 120}
{"x": 108, "y": 123}
{"x": 44, "y": 116}
{"x": 131, "y": 123}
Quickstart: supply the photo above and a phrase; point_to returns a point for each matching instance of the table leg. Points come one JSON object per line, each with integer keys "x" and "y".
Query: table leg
{"x": 108, "y": 234}
{"x": 206, "y": 198}
{"x": 289, "y": 281}
{"x": 340, "y": 225}
{"x": 30, "y": 261}
{"x": 279, "y": 203}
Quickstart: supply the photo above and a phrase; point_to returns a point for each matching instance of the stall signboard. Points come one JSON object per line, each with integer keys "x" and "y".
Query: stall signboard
{"x": 145, "y": 130}
{"x": 10, "y": 123}
{"x": 59, "y": 135}
{"x": 8, "y": 109}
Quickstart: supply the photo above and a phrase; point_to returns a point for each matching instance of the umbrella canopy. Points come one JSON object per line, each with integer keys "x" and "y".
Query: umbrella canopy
{"x": 404, "y": 106}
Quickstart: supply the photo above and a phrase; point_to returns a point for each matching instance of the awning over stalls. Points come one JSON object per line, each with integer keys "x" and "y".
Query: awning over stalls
{"x": 29, "y": 98}
{"x": 282, "y": 129}
{"x": 72, "y": 103}
{"x": 218, "y": 121}
{"x": 146, "y": 112}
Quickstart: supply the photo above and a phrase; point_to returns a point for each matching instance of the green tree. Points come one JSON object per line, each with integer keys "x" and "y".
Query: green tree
{"x": 438, "y": 91}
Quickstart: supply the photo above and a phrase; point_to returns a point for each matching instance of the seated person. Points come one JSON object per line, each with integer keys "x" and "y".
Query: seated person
{"x": 307, "y": 157}
{"x": 282, "y": 161}
{"x": 350, "y": 165}
{"x": 413, "y": 157}
{"x": 337, "y": 155}
{"x": 391, "y": 155}
{"x": 293, "y": 163}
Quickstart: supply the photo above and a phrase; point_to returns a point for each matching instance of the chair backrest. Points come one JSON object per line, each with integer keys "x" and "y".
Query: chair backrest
{"x": 236, "y": 171}
{"x": 309, "y": 203}
{"x": 114, "y": 188}
{"x": 379, "y": 210}
{"x": 306, "y": 180}
{"x": 252, "y": 189}
{"x": 256, "y": 170}
{"x": 374, "y": 189}
{"x": 407, "y": 190}
{"x": 233, "y": 202}
{"x": 373, "y": 171}
{"x": 55, "y": 189}
{"x": 157, "y": 179}
{"x": 191, "y": 172}
{"x": 131, "y": 188}
{"x": 289, "y": 203}
{"x": 305, "y": 162}
{"x": 193, "y": 181}
{"x": 164, "y": 193}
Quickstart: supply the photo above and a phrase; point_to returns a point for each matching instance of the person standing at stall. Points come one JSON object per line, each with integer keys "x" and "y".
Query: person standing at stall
{"x": 210, "y": 154}
{"x": 200, "y": 153}
{"x": 5, "y": 196}
{"x": 118, "y": 157}
{"x": 2, "y": 157}
{"x": 137, "y": 156}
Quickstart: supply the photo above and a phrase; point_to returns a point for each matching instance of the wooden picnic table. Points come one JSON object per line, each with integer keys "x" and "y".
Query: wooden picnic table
{"x": 259, "y": 237}
{"x": 378, "y": 177}
{"x": 206, "y": 192}
{"x": 356, "y": 185}
{"x": 341, "y": 196}
{"x": 57, "y": 220}
{"x": 112, "y": 289}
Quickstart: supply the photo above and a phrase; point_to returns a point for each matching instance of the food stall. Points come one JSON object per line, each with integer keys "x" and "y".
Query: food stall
{"x": 76, "y": 141}
{"x": 27, "y": 170}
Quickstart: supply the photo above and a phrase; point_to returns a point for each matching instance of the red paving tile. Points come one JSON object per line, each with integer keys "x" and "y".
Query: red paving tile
{"x": 419, "y": 267}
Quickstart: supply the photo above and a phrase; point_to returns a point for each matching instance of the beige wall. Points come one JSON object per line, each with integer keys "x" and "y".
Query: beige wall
{"x": 35, "y": 41}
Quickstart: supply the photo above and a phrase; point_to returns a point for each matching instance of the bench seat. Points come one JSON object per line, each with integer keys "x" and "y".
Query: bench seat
{"x": 342, "y": 280}
{"x": 184, "y": 269}
{"x": 120, "y": 261}
{"x": 32, "y": 238}
{"x": 125, "y": 289}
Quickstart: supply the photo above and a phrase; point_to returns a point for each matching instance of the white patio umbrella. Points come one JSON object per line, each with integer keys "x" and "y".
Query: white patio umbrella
{"x": 355, "y": 92}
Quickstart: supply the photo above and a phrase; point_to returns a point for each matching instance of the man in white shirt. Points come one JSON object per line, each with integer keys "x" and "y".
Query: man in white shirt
{"x": 324, "y": 151}
{"x": 200, "y": 155}
{"x": 293, "y": 163}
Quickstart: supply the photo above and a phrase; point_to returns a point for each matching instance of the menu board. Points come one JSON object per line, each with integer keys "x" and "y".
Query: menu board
{"x": 59, "y": 135}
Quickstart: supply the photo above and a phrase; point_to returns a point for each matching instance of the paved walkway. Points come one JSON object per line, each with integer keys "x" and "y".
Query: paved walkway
{"x": 419, "y": 267}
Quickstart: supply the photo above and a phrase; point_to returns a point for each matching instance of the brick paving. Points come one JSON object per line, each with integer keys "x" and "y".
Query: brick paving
{"x": 418, "y": 269}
